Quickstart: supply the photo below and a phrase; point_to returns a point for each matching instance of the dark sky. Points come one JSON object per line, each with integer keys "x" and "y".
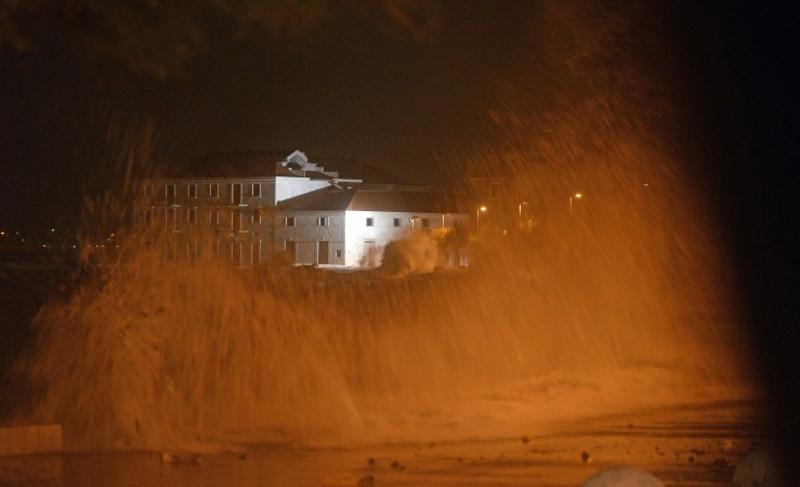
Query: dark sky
{"x": 408, "y": 95}
{"x": 347, "y": 87}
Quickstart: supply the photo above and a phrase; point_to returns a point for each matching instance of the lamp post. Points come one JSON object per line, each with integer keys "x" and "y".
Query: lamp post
{"x": 478, "y": 212}
{"x": 576, "y": 196}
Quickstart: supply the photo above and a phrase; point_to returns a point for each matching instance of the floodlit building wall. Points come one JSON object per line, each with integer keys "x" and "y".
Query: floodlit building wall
{"x": 359, "y": 234}
{"x": 307, "y": 234}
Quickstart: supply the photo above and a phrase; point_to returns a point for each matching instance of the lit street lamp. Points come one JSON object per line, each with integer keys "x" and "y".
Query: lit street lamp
{"x": 478, "y": 212}
{"x": 576, "y": 196}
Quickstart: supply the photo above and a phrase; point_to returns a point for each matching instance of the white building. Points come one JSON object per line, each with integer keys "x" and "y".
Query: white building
{"x": 245, "y": 208}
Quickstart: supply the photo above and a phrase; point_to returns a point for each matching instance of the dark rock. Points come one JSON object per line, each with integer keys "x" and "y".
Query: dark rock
{"x": 366, "y": 481}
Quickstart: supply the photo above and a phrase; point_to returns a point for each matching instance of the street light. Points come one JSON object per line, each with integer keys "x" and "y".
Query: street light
{"x": 576, "y": 196}
{"x": 524, "y": 203}
{"x": 478, "y": 212}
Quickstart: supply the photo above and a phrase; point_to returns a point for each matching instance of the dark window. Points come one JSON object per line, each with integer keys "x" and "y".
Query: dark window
{"x": 255, "y": 216}
{"x": 288, "y": 221}
{"x": 323, "y": 221}
{"x": 192, "y": 190}
{"x": 236, "y": 194}
{"x": 370, "y": 222}
{"x": 171, "y": 219}
{"x": 256, "y": 189}
{"x": 338, "y": 253}
{"x": 192, "y": 215}
{"x": 397, "y": 222}
{"x": 213, "y": 190}
{"x": 169, "y": 193}
{"x": 426, "y": 223}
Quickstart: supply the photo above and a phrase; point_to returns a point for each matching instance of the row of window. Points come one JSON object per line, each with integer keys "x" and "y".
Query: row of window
{"x": 236, "y": 190}
{"x": 320, "y": 221}
{"x": 215, "y": 216}
{"x": 416, "y": 222}
{"x": 254, "y": 217}
{"x": 324, "y": 221}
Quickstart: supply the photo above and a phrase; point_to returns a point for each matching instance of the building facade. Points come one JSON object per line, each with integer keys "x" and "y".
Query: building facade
{"x": 246, "y": 210}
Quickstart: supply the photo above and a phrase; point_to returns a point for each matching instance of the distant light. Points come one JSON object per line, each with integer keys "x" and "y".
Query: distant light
{"x": 3, "y": 233}
{"x": 578, "y": 195}
{"x": 646, "y": 184}
{"x": 483, "y": 209}
{"x": 52, "y": 229}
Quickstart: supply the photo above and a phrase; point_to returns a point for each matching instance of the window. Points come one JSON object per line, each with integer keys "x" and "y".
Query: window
{"x": 213, "y": 217}
{"x": 255, "y": 190}
{"x": 191, "y": 215}
{"x": 338, "y": 253}
{"x": 169, "y": 193}
{"x": 213, "y": 190}
{"x": 426, "y": 223}
{"x": 370, "y": 222}
{"x": 288, "y": 221}
{"x": 236, "y": 194}
{"x": 148, "y": 215}
{"x": 243, "y": 217}
{"x": 148, "y": 190}
{"x": 171, "y": 219}
{"x": 191, "y": 190}
{"x": 255, "y": 216}
{"x": 323, "y": 221}
{"x": 396, "y": 222}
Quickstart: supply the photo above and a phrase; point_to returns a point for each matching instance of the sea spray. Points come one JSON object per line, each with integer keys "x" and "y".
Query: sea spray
{"x": 613, "y": 303}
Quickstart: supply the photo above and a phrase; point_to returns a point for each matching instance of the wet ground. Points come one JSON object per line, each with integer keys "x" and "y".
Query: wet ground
{"x": 689, "y": 446}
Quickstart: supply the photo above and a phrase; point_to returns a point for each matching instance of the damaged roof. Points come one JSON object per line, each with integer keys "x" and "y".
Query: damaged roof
{"x": 259, "y": 163}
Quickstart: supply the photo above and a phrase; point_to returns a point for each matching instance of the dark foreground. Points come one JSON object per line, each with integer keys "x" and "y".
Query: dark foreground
{"x": 690, "y": 446}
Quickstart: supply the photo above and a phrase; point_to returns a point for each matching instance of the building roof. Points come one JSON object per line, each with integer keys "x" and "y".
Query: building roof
{"x": 359, "y": 199}
{"x": 325, "y": 199}
{"x": 259, "y": 163}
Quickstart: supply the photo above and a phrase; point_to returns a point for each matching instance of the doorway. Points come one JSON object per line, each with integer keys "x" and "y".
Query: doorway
{"x": 323, "y": 253}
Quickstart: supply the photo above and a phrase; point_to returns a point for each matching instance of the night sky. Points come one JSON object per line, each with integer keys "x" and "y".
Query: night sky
{"x": 356, "y": 83}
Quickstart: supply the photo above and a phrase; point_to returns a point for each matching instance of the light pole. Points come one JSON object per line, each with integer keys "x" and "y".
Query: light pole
{"x": 478, "y": 212}
{"x": 576, "y": 196}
